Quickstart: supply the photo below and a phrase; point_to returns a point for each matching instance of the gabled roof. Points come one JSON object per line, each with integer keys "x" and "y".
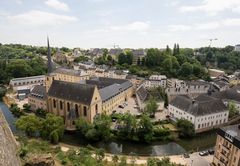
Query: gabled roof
{"x": 39, "y": 91}
{"x": 230, "y": 94}
{"x": 200, "y": 106}
{"x": 76, "y": 92}
{"x": 70, "y": 72}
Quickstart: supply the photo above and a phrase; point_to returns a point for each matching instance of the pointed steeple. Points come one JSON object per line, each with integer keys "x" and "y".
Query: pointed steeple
{"x": 49, "y": 57}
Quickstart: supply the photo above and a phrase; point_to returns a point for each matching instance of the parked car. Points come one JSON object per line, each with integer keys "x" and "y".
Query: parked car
{"x": 121, "y": 106}
{"x": 203, "y": 153}
{"x": 186, "y": 155}
{"x": 211, "y": 151}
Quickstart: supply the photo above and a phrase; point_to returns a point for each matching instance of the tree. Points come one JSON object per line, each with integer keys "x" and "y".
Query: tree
{"x": 99, "y": 153}
{"x": 27, "y": 107}
{"x": 167, "y": 65}
{"x": 54, "y": 137}
{"x": 102, "y": 124}
{"x": 30, "y": 124}
{"x": 186, "y": 128}
{"x": 83, "y": 125}
{"x": 50, "y": 124}
{"x": 145, "y": 130}
{"x": 129, "y": 125}
{"x": 232, "y": 109}
{"x": 40, "y": 112}
{"x": 3, "y": 91}
{"x": 151, "y": 107}
{"x": 168, "y": 50}
{"x": 186, "y": 70}
{"x": 16, "y": 111}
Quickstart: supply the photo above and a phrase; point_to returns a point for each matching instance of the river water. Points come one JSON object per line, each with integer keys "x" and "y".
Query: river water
{"x": 203, "y": 141}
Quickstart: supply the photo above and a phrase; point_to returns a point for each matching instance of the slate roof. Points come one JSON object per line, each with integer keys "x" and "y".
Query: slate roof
{"x": 39, "y": 91}
{"x": 198, "y": 82}
{"x": 142, "y": 93}
{"x": 69, "y": 72}
{"x": 200, "y": 106}
{"x": 230, "y": 94}
{"x": 139, "y": 52}
{"x": 109, "y": 87}
{"x": 115, "y": 51}
{"x": 76, "y": 92}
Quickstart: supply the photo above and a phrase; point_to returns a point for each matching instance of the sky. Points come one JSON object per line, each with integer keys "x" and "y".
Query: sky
{"x": 126, "y": 23}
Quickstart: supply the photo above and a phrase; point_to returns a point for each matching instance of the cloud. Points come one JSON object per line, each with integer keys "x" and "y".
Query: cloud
{"x": 134, "y": 26}
{"x": 212, "y": 7}
{"x": 40, "y": 18}
{"x": 231, "y": 22}
{"x": 207, "y": 26}
{"x": 179, "y": 27}
{"x": 56, "y": 4}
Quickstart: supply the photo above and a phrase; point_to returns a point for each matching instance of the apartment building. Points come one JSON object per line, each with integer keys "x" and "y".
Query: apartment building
{"x": 227, "y": 148}
{"x": 205, "y": 112}
{"x": 156, "y": 81}
{"x": 37, "y": 98}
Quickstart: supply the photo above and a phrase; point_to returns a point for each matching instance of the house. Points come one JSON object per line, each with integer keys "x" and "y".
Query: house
{"x": 37, "y": 98}
{"x": 156, "y": 81}
{"x": 237, "y": 48}
{"x": 59, "y": 57}
{"x": 115, "y": 52}
{"x": 138, "y": 55}
{"x": 205, "y": 112}
{"x": 143, "y": 95}
{"x": 227, "y": 148}
{"x": 229, "y": 95}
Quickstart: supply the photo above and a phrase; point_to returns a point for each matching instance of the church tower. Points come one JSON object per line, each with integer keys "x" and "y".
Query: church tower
{"x": 50, "y": 75}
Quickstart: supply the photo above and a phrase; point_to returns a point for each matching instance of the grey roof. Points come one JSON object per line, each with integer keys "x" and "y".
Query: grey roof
{"x": 139, "y": 52}
{"x": 115, "y": 51}
{"x": 39, "y": 91}
{"x": 76, "y": 92}
{"x": 142, "y": 93}
{"x": 197, "y": 83}
{"x": 69, "y": 72}
{"x": 230, "y": 94}
{"x": 109, "y": 87}
{"x": 232, "y": 130}
{"x": 202, "y": 105}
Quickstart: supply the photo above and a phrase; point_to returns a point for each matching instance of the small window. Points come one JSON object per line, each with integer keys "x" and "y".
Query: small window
{"x": 68, "y": 106}
{"x": 85, "y": 111}
{"x": 54, "y": 103}
{"x": 61, "y": 105}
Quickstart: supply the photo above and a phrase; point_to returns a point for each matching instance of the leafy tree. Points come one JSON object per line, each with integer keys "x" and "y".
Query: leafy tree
{"x": 40, "y": 112}
{"x": 81, "y": 59}
{"x": 102, "y": 124}
{"x": 54, "y": 137}
{"x": 29, "y": 124}
{"x": 16, "y": 111}
{"x": 83, "y": 125}
{"x": 145, "y": 130}
{"x": 186, "y": 128}
{"x": 186, "y": 70}
{"x": 100, "y": 154}
{"x": 27, "y": 107}
{"x": 151, "y": 107}
{"x": 233, "y": 111}
{"x": 129, "y": 125}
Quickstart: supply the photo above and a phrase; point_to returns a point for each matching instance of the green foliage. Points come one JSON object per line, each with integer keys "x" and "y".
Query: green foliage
{"x": 125, "y": 58}
{"x": 160, "y": 162}
{"x": 54, "y": 137}
{"x": 145, "y": 131}
{"x": 3, "y": 91}
{"x": 186, "y": 128}
{"x": 123, "y": 161}
{"x": 40, "y": 112}
{"x": 233, "y": 111}
{"x": 26, "y": 107}
{"x": 16, "y": 111}
{"x": 81, "y": 59}
{"x": 151, "y": 107}
{"x": 30, "y": 124}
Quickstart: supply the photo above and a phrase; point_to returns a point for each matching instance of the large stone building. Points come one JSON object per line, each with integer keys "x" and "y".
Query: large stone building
{"x": 37, "y": 98}
{"x": 156, "y": 81}
{"x": 227, "y": 149}
{"x": 205, "y": 112}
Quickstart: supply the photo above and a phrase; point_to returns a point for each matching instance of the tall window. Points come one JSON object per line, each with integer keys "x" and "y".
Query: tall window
{"x": 54, "y": 103}
{"x": 61, "y": 105}
{"x": 85, "y": 111}
{"x": 76, "y": 110}
{"x": 68, "y": 106}
{"x": 96, "y": 108}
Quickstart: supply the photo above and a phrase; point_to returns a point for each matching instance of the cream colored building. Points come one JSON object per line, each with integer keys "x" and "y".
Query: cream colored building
{"x": 227, "y": 149}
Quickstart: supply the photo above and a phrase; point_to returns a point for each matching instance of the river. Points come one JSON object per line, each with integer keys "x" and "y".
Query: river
{"x": 200, "y": 142}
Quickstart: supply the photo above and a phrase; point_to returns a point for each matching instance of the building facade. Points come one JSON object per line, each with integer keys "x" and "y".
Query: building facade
{"x": 204, "y": 112}
{"x": 156, "y": 81}
{"x": 227, "y": 149}
{"x": 37, "y": 98}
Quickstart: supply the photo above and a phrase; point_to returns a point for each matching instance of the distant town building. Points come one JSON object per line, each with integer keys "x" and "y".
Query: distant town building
{"x": 26, "y": 82}
{"x": 156, "y": 81}
{"x": 227, "y": 148}
{"x": 214, "y": 73}
{"x": 204, "y": 112}
{"x": 59, "y": 57}
{"x": 138, "y": 55}
{"x": 115, "y": 52}
{"x": 237, "y": 48}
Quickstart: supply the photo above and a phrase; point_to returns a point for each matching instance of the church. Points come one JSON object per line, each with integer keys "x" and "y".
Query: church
{"x": 72, "y": 94}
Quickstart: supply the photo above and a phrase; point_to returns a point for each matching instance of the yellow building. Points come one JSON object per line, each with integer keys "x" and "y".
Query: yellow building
{"x": 227, "y": 149}
{"x": 73, "y": 100}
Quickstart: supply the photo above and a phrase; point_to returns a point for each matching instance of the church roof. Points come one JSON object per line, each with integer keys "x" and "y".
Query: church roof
{"x": 81, "y": 93}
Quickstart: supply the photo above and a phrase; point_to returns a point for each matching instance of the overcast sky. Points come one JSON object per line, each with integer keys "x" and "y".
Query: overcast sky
{"x": 127, "y": 23}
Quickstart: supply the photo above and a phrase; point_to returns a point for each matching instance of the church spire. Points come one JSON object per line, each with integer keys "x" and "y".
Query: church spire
{"x": 49, "y": 57}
